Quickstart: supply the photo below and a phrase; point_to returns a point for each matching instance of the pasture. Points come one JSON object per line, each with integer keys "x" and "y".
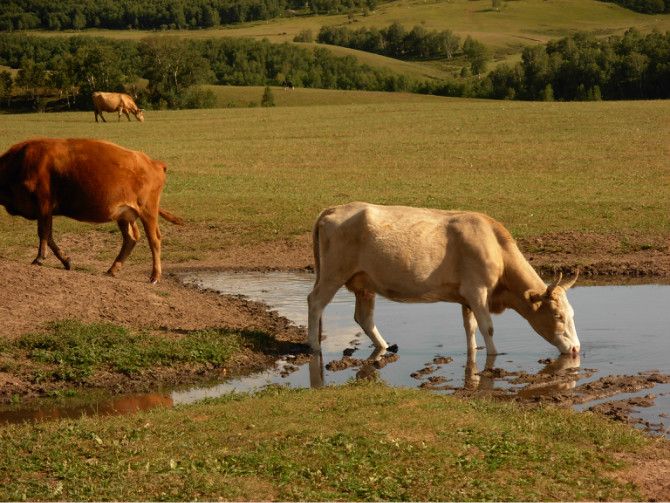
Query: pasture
{"x": 247, "y": 176}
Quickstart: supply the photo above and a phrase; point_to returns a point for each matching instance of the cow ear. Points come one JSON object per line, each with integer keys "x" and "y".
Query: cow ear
{"x": 534, "y": 298}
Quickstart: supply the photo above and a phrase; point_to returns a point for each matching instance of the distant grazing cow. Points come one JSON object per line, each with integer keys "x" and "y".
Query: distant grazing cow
{"x": 425, "y": 255}
{"x": 116, "y": 102}
{"x": 287, "y": 85}
{"x": 88, "y": 180}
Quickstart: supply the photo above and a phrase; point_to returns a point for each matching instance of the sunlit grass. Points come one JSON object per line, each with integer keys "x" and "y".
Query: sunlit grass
{"x": 246, "y": 175}
{"x": 353, "y": 443}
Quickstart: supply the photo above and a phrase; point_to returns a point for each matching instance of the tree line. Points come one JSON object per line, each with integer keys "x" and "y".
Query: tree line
{"x": 644, "y": 6}
{"x": 68, "y": 69}
{"x": 583, "y": 67}
{"x": 418, "y": 43}
{"x": 157, "y": 14}
{"x": 73, "y": 67}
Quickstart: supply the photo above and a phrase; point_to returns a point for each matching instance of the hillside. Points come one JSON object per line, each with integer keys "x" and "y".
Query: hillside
{"x": 506, "y": 32}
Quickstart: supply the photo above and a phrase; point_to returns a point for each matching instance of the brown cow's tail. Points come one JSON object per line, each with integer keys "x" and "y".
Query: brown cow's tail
{"x": 170, "y": 217}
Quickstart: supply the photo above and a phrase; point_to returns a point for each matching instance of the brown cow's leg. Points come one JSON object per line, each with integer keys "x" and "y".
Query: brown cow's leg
{"x": 130, "y": 234}
{"x": 126, "y": 114}
{"x": 54, "y": 248}
{"x": 150, "y": 223}
{"x": 43, "y": 229}
{"x": 95, "y": 112}
{"x": 102, "y": 116}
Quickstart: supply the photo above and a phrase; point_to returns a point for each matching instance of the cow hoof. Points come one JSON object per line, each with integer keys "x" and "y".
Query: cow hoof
{"x": 111, "y": 272}
{"x": 37, "y": 261}
{"x": 67, "y": 264}
{"x": 153, "y": 281}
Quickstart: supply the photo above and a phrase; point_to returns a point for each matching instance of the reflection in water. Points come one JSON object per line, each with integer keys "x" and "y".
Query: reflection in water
{"x": 127, "y": 404}
{"x": 623, "y": 331}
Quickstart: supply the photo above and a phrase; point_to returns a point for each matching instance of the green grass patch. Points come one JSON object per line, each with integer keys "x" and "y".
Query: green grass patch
{"x": 72, "y": 351}
{"x": 248, "y": 175}
{"x": 354, "y": 443}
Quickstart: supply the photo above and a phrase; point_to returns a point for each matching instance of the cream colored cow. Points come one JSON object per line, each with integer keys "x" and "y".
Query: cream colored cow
{"x": 426, "y": 255}
{"x": 115, "y": 102}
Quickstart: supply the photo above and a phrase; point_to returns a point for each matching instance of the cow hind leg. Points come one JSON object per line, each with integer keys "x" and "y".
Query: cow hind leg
{"x": 130, "y": 234}
{"x": 54, "y": 248}
{"x": 150, "y": 223}
{"x": 317, "y": 300}
{"x": 478, "y": 301}
{"x": 364, "y": 316}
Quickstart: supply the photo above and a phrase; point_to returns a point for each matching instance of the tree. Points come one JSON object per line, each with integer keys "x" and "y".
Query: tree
{"x": 268, "y": 99}
{"x": 172, "y": 66}
{"x": 6, "y": 84}
{"x": 31, "y": 76}
{"x": 476, "y": 53}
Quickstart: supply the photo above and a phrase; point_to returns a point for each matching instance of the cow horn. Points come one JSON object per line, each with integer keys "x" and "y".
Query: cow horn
{"x": 570, "y": 283}
{"x": 554, "y": 284}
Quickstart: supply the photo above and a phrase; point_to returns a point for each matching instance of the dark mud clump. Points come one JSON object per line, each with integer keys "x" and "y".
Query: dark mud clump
{"x": 621, "y": 410}
{"x": 347, "y": 362}
{"x": 423, "y": 372}
{"x": 442, "y": 360}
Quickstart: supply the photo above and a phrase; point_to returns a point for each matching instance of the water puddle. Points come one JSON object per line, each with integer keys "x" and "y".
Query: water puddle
{"x": 623, "y": 366}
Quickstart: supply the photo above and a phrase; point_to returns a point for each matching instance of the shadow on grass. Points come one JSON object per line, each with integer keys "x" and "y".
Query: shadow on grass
{"x": 264, "y": 343}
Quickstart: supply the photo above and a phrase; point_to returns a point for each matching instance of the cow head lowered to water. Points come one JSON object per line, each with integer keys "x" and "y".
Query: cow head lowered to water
{"x": 426, "y": 255}
{"x": 87, "y": 180}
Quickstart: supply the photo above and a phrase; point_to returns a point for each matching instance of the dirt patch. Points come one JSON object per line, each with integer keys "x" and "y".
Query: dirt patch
{"x": 649, "y": 471}
{"x": 33, "y": 296}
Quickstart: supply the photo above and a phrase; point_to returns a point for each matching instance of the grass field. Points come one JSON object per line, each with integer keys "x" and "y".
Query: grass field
{"x": 516, "y": 25}
{"x": 352, "y": 443}
{"x": 246, "y": 175}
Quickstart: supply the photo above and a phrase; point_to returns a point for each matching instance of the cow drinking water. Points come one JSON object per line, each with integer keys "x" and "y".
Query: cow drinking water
{"x": 425, "y": 255}
{"x": 115, "y": 102}
{"x": 87, "y": 180}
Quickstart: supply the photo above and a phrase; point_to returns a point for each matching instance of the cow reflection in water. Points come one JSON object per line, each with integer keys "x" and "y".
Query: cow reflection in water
{"x": 116, "y": 406}
{"x": 558, "y": 376}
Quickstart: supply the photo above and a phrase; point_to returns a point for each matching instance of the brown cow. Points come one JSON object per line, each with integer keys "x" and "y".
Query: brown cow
{"x": 426, "y": 255}
{"x": 88, "y": 180}
{"x": 115, "y": 102}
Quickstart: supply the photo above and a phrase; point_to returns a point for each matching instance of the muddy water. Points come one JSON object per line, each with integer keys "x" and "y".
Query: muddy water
{"x": 623, "y": 331}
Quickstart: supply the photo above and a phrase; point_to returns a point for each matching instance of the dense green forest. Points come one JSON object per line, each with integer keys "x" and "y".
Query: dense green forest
{"x": 63, "y": 71}
{"x": 73, "y": 67}
{"x": 416, "y": 44}
{"x": 157, "y": 14}
{"x": 582, "y": 67}
{"x": 645, "y": 6}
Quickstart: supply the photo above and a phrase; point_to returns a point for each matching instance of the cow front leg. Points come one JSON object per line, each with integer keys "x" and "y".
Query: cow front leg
{"x": 364, "y": 316}
{"x": 470, "y": 325}
{"x": 478, "y": 301}
{"x": 43, "y": 229}
{"x": 130, "y": 233}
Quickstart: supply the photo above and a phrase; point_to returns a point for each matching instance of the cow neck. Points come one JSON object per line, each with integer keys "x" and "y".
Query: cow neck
{"x": 518, "y": 278}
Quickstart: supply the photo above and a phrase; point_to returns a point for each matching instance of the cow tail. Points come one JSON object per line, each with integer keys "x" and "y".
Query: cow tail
{"x": 170, "y": 217}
